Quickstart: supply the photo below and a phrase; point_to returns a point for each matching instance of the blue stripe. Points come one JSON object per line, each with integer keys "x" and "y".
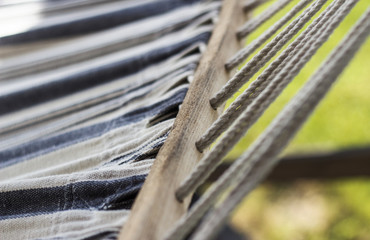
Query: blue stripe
{"x": 91, "y": 195}
{"x": 95, "y": 23}
{"x": 93, "y": 77}
{"x": 42, "y": 146}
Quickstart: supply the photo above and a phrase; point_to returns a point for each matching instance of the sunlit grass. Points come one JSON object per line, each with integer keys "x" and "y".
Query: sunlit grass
{"x": 306, "y": 210}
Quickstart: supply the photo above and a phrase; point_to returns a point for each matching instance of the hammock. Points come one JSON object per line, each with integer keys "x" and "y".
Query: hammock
{"x": 103, "y": 99}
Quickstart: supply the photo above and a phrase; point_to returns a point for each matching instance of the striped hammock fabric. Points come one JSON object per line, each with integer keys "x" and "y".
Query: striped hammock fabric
{"x": 88, "y": 93}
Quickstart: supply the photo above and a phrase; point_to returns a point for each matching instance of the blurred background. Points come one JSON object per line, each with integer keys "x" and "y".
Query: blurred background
{"x": 336, "y": 207}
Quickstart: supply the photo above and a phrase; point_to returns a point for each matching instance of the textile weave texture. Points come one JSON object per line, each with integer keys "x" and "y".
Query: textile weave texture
{"x": 89, "y": 91}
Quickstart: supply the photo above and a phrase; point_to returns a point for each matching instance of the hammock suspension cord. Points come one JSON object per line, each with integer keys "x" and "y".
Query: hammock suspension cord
{"x": 243, "y": 101}
{"x": 284, "y": 127}
{"x": 244, "y": 53}
{"x": 231, "y": 137}
{"x": 254, "y": 23}
{"x": 260, "y": 59}
{"x": 248, "y": 170}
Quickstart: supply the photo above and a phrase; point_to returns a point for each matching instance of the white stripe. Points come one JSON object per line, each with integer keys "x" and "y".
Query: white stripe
{"x": 72, "y": 224}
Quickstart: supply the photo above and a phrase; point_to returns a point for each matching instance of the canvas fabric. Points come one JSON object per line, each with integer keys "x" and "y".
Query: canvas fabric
{"x": 89, "y": 91}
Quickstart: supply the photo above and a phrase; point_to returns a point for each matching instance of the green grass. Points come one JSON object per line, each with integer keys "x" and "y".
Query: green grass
{"x": 306, "y": 210}
{"x": 310, "y": 209}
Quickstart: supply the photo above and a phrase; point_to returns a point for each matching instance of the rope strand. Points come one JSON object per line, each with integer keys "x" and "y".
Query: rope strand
{"x": 244, "y": 53}
{"x": 256, "y": 109}
{"x": 258, "y": 61}
{"x": 254, "y": 23}
{"x": 196, "y": 212}
{"x": 285, "y": 125}
{"x": 209, "y": 163}
{"x": 246, "y": 98}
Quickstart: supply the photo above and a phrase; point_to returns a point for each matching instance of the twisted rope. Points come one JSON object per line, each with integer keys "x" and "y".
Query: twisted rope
{"x": 261, "y": 58}
{"x": 304, "y": 51}
{"x": 254, "y": 23}
{"x": 244, "y": 53}
{"x": 187, "y": 223}
{"x": 209, "y": 163}
{"x": 263, "y": 155}
{"x": 246, "y": 98}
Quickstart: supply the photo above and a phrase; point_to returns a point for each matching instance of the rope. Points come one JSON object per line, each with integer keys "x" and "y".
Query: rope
{"x": 254, "y": 23}
{"x": 208, "y": 164}
{"x": 258, "y": 61}
{"x": 246, "y": 98}
{"x": 263, "y": 155}
{"x": 186, "y": 224}
{"x": 244, "y": 53}
{"x": 250, "y": 5}
{"x": 254, "y": 111}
